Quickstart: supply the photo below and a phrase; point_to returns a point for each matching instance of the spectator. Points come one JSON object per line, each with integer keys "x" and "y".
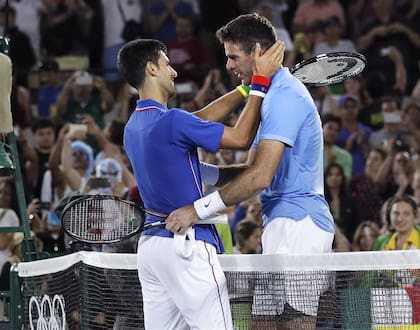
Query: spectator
{"x": 310, "y": 17}
{"x": 268, "y": 10}
{"x": 395, "y": 173}
{"x": 55, "y": 184}
{"x": 247, "y": 237}
{"x": 65, "y": 27}
{"x": 20, "y": 105}
{"x": 112, "y": 38}
{"x": 80, "y": 96}
{"x": 392, "y": 130}
{"x": 333, "y": 29}
{"x": 27, "y": 17}
{"x": 411, "y": 122}
{"x": 161, "y": 18}
{"x": 8, "y": 198}
{"x": 365, "y": 236}
{"x": 189, "y": 53}
{"x": 405, "y": 234}
{"x": 342, "y": 204}
{"x": 386, "y": 29}
{"x": 21, "y": 52}
{"x": 356, "y": 86}
{"x": 15, "y": 255}
{"x": 324, "y": 100}
{"x": 36, "y": 155}
{"x": 364, "y": 188}
{"x": 331, "y": 126}
{"x": 110, "y": 142}
{"x": 353, "y": 136}
{"x": 250, "y": 210}
{"x": 50, "y": 87}
{"x": 8, "y": 218}
{"x": 334, "y": 41}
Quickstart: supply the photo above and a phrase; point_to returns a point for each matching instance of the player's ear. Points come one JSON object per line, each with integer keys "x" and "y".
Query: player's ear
{"x": 151, "y": 68}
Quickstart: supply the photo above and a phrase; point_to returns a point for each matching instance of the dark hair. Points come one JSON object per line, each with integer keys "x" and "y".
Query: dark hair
{"x": 247, "y": 30}
{"x": 329, "y": 117}
{"x": 49, "y": 64}
{"x": 404, "y": 198}
{"x": 42, "y": 123}
{"x": 244, "y": 229}
{"x": 391, "y": 98}
{"x": 133, "y": 57}
{"x": 343, "y": 189}
{"x": 8, "y": 10}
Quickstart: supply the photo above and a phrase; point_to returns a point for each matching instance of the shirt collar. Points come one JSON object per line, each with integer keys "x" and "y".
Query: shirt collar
{"x": 149, "y": 103}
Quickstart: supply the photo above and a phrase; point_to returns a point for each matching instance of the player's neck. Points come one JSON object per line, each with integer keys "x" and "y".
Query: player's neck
{"x": 153, "y": 94}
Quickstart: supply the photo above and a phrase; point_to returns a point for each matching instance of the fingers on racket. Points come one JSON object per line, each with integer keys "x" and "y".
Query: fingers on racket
{"x": 327, "y": 69}
{"x": 101, "y": 219}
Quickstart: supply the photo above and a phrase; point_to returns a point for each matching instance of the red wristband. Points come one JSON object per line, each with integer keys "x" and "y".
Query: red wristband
{"x": 260, "y": 80}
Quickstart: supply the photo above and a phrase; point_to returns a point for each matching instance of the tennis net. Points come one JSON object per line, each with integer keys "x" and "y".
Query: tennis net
{"x": 356, "y": 290}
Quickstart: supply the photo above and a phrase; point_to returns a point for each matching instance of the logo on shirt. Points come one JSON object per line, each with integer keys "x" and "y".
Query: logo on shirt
{"x": 207, "y": 204}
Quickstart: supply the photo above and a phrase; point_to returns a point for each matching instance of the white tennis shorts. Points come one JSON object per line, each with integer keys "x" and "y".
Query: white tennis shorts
{"x": 182, "y": 292}
{"x": 301, "y": 290}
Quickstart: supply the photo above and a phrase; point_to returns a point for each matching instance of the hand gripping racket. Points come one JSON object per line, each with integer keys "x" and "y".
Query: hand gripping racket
{"x": 103, "y": 219}
{"x": 327, "y": 69}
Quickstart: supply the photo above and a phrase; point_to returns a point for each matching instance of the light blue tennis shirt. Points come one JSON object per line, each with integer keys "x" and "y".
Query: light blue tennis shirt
{"x": 289, "y": 115}
{"x": 162, "y": 147}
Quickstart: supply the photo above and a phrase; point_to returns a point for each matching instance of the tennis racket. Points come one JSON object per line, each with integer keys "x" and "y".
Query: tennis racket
{"x": 327, "y": 69}
{"x": 101, "y": 219}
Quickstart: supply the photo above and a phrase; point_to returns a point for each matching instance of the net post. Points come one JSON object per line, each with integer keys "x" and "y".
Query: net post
{"x": 16, "y": 301}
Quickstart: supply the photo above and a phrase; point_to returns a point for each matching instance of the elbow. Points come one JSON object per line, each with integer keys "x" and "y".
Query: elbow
{"x": 244, "y": 142}
{"x": 265, "y": 182}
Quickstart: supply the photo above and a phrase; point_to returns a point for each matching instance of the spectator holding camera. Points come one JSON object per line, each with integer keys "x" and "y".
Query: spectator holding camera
{"x": 392, "y": 129}
{"x": 384, "y": 31}
{"x": 82, "y": 94}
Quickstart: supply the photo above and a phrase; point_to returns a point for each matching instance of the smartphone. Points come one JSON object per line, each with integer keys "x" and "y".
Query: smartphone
{"x": 45, "y": 205}
{"x": 98, "y": 183}
{"x": 385, "y": 51}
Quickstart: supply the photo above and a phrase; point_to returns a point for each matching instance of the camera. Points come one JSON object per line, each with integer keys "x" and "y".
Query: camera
{"x": 400, "y": 145}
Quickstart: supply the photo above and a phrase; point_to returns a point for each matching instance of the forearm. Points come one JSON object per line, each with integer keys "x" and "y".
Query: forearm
{"x": 62, "y": 100}
{"x": 221, "y": 107}
{"x": 107, "y": 99}
{"x": 226, "y": 174}
{"x": 242, "y": 187}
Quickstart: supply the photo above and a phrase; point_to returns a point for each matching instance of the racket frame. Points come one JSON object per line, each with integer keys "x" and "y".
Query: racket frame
{"x": 218, "y": 218}
{"x": 338, "y": 79}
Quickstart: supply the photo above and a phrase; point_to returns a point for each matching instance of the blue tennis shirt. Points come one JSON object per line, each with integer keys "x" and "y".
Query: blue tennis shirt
{"x": 162, "y": 147}
{"x": 289, "y": 115}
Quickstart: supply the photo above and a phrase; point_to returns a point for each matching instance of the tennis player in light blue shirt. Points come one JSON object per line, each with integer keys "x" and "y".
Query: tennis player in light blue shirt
{"x": 289, "y": 115}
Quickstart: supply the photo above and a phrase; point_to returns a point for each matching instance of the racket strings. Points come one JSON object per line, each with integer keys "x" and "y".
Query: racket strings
{"x": 101, "y": 220}
{"x": 328, "y": 69}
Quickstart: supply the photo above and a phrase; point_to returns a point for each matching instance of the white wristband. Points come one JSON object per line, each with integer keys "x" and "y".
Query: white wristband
{"x": 208, "y": 205}
{"x": 209, "y": 173}
{"x": 257, "y": 93}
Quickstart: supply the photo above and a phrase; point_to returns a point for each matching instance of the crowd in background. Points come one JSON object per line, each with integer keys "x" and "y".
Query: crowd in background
{"x": 70, "y": 105}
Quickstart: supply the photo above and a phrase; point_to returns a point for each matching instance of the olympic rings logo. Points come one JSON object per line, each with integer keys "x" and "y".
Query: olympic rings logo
{"x": 49, "y": 317}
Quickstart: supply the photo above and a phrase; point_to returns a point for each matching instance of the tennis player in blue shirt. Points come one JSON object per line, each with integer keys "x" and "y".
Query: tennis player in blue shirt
{"x": 286, "y": 166}
{"x": 183, "y": 285}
